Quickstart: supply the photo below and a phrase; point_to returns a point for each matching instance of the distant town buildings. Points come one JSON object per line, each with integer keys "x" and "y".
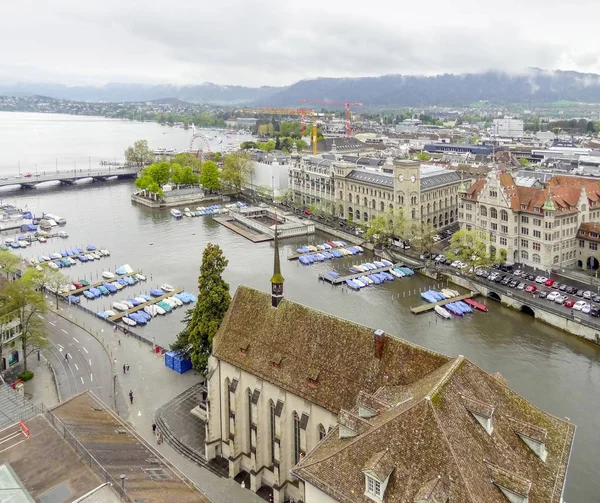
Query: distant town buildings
{"x": 509, "y": 128}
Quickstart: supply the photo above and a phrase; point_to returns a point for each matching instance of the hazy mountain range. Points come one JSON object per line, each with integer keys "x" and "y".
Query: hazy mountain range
{"x": 535, "y": 87}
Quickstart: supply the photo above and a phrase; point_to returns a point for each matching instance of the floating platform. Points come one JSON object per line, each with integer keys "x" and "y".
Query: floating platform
{"x": 342, "y": 279}
{"x": 229, "y": 222}
{"x": 118, "y": 316}
{"x": 430, "y": 306}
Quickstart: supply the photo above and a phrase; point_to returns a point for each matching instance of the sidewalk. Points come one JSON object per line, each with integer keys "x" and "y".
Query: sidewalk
{"x": 42, "y": 388}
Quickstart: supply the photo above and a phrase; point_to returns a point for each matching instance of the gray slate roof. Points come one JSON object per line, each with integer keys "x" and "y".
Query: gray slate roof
{"x": 430, "y": 182}
{"x": 362, "y": 175}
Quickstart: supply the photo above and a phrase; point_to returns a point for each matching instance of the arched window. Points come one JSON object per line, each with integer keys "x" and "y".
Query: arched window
{"x": 483, "y": 211}
{"x": 357, "y": 200}
{"x": 492, "y": 252}
{"x": 435, "y": 221}
{"x": 249, "y": 395}
{"x": 296, "y": 438}
{"x": 555, "y": 259}
{"x": 365, "y": 216}
{"x": 373, "y": 204}
{"x": 349, "y": 198}
{"x": 365, "y": 202}
{"x": 382, "y": 206}
{"x": 524, "y": 255}
{"x": 413, "y": 213}
{"x": 428, "y": 208}
{"x": 536, "y": 258}
{"x": 422, "y": 210}
{"x": 272, "y": 430}
{"x": 322, "y": 432}
{"x": 446, "y": 218}
{"x": 493, "y": 213}
{"x": 342, "y": 210}
{"x": 391, "y": 206}
{"x": 446, "y": 202}
{"x": 228, "y": 405}
{"x": 357, "y": 215}
{"x": 504, "y": 215}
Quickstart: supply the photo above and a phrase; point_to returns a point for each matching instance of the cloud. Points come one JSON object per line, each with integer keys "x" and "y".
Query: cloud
{"x": 255, "y": 42}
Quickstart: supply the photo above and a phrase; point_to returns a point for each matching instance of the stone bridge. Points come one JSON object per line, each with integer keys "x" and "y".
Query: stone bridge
{"x": 69, "y": 177}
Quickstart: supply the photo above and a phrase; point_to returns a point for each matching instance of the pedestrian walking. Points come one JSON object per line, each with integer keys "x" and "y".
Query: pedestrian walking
{"x": 154, "y": 428}
{"x": 159, "y": 437}
{"x": 128, "y": 368}
{"x": 131, "y": 396}
{"x": 124, "y": 368}
{"x": 67, "y": 357}
{"x": 119, "y": 341}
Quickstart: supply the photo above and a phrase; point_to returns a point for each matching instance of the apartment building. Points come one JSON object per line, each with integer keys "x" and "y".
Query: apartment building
{"x": 428, "y": 193}
{"x": 531, "y": 225}
{"x": 10, "y": 332}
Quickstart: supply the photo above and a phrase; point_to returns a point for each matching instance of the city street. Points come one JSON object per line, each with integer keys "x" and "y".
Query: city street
{"x": 88, "y": 366}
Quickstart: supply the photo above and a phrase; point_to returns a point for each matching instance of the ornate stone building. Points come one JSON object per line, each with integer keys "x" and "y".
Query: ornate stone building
{"x": 428, "y": 193}
{"x": 534, "y": 226}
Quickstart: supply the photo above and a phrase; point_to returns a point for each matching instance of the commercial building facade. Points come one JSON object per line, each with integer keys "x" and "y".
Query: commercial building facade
{"x": 10, "y": 333}
{"x": 427, "y": 193}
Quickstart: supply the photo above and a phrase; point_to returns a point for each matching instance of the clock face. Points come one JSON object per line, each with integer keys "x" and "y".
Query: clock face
{"x": 401, "y": 178}
{"x": 412, "y": 179}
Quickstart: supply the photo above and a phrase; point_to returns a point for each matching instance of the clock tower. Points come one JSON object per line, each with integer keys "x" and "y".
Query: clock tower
{"x": 277, "y": 279}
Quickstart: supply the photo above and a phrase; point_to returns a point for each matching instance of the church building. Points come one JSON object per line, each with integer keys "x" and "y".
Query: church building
{"x": 322, "y": 409}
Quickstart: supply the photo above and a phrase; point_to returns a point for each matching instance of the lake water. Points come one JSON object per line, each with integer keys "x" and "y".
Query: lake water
{"x": 557, "y": 372}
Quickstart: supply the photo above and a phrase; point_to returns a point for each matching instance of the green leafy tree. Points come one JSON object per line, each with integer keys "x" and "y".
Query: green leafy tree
{"x": 236, "y": 171}
{"x": 45, "y": 278}
{"x": 524, "y": 161}
{"x": 246, "y": 145}
{"x": 204, "y": 320}
{"x": 264, "y": 192}
{"x": 385, "y": 227}
{"x": 139, "y": 154}
{"x": 422, "y": 237}
{"x": 22, "y": 299}
{"x": 209, "y": 178}
{"x": 9, "y": 262}
{"x": 470, "y": 247}
{"x": 423, "y": 156}
{"x": 278, "y": 144}
{"x": 186, "y": 160}
{"x": 176, "y": 174}
{"x": 285, "y": 197}
{"x": 266, "y": 146}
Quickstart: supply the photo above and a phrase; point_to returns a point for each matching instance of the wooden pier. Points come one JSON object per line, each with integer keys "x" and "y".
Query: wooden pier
{"x": 429, "y": 306}
{"x": 119, "y": 315}
{"x": 342, "y": 279}
{"x": 229, "y": 223}
{"x": 98, "y": 283}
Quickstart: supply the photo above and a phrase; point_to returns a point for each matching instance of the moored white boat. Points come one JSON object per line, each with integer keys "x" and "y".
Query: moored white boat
{"x": 448, "y": 293}
{"x": 166, "y": 287}
{"x": 108, "y": 275}
{"x": 160, "y": 310}
{"x": 128, "y": 321}
{"x": 442, "y": 312}
{"x": 110, "y": 312}
{"x": 140, "y": 277}
{"x": 176, "y": 213}
{"x": 119, "y": 307}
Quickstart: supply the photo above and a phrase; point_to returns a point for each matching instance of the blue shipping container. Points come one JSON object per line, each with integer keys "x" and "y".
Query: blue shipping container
{"x": 181, "y": 365}
{"x": 170, "y": 358}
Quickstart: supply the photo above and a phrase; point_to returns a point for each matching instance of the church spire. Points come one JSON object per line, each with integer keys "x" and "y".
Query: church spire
{"x": 277, "y": 279}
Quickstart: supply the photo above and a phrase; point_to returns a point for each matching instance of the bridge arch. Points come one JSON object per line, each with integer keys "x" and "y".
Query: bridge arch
{"x": 525, "y": 309}
{"x": 493, "y": 295}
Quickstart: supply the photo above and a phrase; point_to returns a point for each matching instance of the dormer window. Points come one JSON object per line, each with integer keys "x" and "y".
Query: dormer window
{"x": 373, "y": 488}
{"x": 533, "y": 436}
{"x": 481, "y": 411}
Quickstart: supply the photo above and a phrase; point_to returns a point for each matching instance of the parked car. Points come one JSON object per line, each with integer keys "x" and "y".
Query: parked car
{"x": 493, "y": 276}
{"x": 587, "y": 295}
{"x": 552, "y": 296}
{"x": 579, "y": 293}
{"x": 561, "y": 299}
{"x": 595, "y": 311}
{"x": 505, "y": 280}
{"x": 531, "y": 277}
{"x": 485, "y": 274}
{"x": 563, "y": 287}
{"x": 499, "y": 278}
{"x": 568, "y": 302}
{"x": 579, "y": 305}
{"x": 556, "y": 285}
{"x": 538, "y": 279}
{"x": 513, "y": 283}
{"x": 28, "y": 175}
{"x": 549, "y": 282}
{"x": 531, "y": 288}
{"x": 596, "y": 298}
{"x": 518, "y": 272}
{"x": 570, "y": 290}
{"x": 586, "y": 309}
{"x": 542, "y": 295}
{"x": 521, "y": 286}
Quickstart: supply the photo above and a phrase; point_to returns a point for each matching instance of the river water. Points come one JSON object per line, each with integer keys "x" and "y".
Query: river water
{"x": 555, "y": 371}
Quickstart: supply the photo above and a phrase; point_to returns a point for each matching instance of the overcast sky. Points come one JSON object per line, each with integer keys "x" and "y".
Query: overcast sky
{"x": 259, "y": 42}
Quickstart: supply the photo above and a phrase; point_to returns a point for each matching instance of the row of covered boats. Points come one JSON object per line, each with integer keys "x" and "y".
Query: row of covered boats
{"x": 321, "y": 256}
{"x": 329, "y": 245}
{"x": 67, "y": 258}
{"x": 457, "y": 308}
{"x": 201, "y": 211}
{"x": 374, "y": 275}
{"x": 146, "y": 308}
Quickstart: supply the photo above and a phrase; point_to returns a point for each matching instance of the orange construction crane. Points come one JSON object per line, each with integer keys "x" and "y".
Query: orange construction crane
{"x": 282, "y": 111}
{"x": 344, "y": 103}
{"x": 290, "y": 111}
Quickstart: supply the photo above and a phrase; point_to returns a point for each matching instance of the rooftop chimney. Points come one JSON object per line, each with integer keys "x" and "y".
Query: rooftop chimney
{"x": 379, "y": 343}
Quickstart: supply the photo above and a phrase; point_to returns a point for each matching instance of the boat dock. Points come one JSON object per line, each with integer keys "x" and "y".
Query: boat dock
{"x": 429, "y": 306}
{"x": 118, "y": 316}
{"x": 98, "y": 283}
{"x": 228, "y": 222}
{"x": 342, "y": 279}
{"x": 75, "y": 255}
